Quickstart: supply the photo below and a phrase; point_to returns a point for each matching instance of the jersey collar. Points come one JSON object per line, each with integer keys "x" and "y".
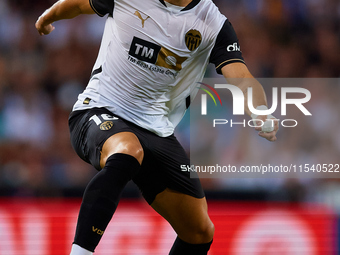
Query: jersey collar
{"x": 192, "y": 4}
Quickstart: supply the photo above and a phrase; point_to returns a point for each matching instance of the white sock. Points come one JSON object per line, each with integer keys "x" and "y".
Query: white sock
{"x": 77, "y": 250}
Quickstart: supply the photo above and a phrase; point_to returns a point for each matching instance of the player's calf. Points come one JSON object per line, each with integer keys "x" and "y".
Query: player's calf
{"x": 101, "y": 198}
{"x": 189, "y": 218}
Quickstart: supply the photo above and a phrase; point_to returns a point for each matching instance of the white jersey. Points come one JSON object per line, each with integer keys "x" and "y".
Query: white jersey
{"x": 151, "y": 58}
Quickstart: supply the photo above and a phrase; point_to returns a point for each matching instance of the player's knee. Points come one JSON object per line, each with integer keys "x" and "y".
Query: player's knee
{"x": 201, "y": 233}
{"x": 206, "y": 232}
{"x": 125, "y": 143}
{"x": 135, "y": 150}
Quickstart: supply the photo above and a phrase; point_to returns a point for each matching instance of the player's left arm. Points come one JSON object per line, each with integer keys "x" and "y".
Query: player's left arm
{"x": 238, "y": 74}
{"x": 228, "y": 60}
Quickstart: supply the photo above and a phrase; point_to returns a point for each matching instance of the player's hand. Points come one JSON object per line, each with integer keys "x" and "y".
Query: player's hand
{"x": 43, "y": 27}
{"x": 270, "y": 136}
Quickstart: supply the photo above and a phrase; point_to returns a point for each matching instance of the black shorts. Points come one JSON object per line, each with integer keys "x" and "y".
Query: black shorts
{"x": 163, "y": 156}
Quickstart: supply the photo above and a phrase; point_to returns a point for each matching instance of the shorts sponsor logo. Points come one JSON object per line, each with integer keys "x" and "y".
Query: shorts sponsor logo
{"x": 193, "y": 39}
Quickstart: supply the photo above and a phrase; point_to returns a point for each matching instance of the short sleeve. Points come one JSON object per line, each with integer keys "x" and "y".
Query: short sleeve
{"x": 102, "y": 7}
{"x": 227, "y": 49}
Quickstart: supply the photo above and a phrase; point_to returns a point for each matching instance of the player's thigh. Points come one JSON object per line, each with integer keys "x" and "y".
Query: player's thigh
{"x": 93, "y": 128}
{"x": 123, "y": 142}
{"x": 161, "y": 168}
{"x": 175, "y": 194}
{"x": 187, "y": 215}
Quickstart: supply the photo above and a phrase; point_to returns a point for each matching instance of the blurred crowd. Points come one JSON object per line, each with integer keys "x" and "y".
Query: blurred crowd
{"x": 40, "y": 78}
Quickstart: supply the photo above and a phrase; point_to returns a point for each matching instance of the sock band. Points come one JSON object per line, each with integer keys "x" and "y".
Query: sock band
{"x": 131, "y": 163}
{"x": 183, "y": 248}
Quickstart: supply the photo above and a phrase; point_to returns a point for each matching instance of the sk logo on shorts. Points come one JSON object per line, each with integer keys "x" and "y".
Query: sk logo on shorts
{"x": 107, "y": 125}
{"x": 193, "y": 39}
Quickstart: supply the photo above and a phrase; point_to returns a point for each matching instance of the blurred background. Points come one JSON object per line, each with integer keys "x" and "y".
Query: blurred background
{"x": 40, "y": 78}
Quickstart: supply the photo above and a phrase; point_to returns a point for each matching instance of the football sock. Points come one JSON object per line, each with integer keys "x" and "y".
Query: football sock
{"x": 183, "y": 248}
{"x": 77, "y": 250}
{"x": 101, "y": 198}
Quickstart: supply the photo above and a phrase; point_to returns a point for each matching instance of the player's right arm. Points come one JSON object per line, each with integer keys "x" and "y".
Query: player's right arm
{"x": 63, "y": 9}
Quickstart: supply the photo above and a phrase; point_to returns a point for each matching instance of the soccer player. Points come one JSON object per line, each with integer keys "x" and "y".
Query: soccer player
{"x": 152, "y": 54}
